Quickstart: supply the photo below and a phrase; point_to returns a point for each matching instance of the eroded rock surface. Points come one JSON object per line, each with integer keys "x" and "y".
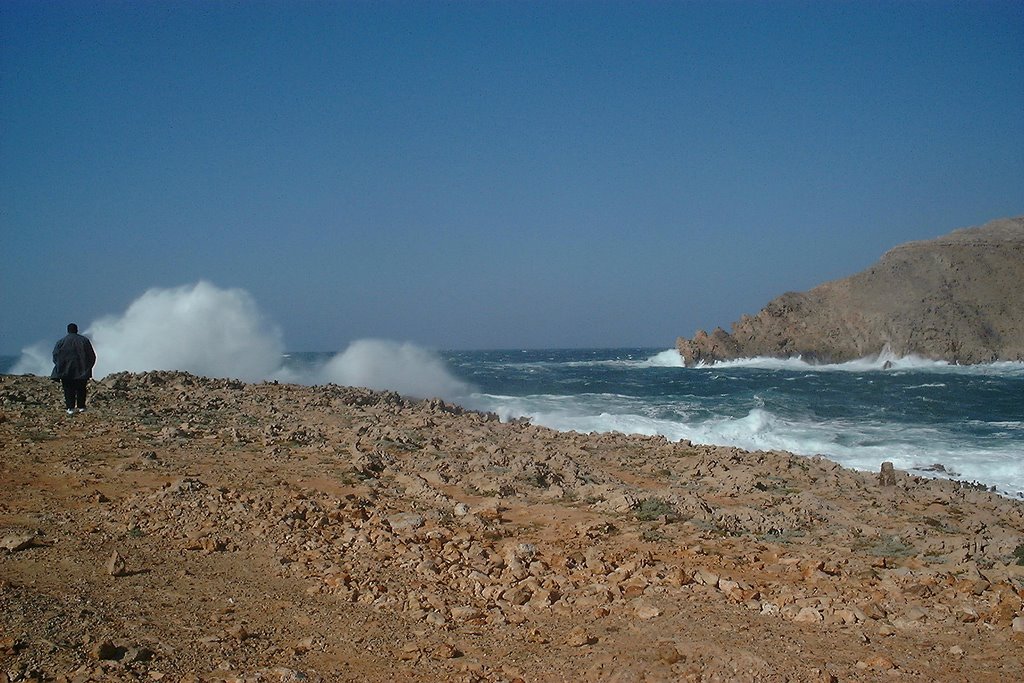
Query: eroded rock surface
{"x": 956, "y": 298}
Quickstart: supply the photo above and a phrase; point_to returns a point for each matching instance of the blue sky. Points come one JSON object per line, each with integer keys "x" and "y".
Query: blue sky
{"x": 490, "y": 175}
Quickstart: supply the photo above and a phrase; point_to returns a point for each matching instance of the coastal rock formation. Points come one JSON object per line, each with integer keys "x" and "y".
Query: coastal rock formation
{"x": 956, "y": 298}
{"x": 204, "y": 531}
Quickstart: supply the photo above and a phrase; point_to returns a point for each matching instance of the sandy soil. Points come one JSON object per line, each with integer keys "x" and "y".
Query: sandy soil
{"x": 186, "y": 529}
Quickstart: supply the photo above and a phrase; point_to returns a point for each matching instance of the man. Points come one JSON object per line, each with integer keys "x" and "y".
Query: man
{"x": 73, "y": 359}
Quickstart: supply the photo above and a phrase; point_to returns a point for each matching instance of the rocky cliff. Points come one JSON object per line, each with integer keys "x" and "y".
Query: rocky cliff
{"x": 958, "y": 298}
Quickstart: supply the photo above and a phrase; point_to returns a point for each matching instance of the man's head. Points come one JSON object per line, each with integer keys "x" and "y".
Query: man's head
{"x": 72, "y": 328}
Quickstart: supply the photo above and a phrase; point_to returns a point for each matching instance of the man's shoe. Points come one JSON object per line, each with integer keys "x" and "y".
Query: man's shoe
{"x": 70, "y": 411}
{"x": 81, "y": 410}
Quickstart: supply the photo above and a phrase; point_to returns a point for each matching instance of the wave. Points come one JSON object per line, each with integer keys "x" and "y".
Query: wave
{"x": 216, "y": 332}
{"x": 666, "y": 359}
{"x": 622, "y": 360}
{"x": 858, "y": 444}
{"x": 886, "y": 361}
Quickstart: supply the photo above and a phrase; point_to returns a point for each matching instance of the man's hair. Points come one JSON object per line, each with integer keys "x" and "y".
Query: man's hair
{"x": 72, "y": 328}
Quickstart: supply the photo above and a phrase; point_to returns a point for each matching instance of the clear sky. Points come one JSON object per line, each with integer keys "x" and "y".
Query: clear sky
{"x": 494, "y": 174}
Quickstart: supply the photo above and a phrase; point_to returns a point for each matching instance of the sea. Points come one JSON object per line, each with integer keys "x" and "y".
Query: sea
{"x": 927, "y": 417}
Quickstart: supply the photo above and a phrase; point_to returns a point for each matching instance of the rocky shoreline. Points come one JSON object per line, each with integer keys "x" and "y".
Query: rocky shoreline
{"x": 955, "y": 298}
{"x": 190, "y": 529}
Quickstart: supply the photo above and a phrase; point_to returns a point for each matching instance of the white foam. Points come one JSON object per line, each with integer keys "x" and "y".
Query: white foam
{"x": 665, "y": 359}
{"x": 199, "y": 328}
{"x": 862, "y": 446}
{"x": 402, "y": 367}
{"x": 215, "y": 332}
{"x": 885, "y": 361}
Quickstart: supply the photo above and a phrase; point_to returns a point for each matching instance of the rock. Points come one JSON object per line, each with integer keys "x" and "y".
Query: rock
{"x": 578, "y": 637}
{"x": 12, "y": 543}
{"x": 669, "y": 653}
{"x": 874, "y": 611}
{"x": 525, "y": 552}
{"x": 808, "y": 615}
{"x": 824, "y": 676}
{"x": 955, "y": 298}
{"x": 1017, "y": 625}
{"x": 880, "y": 663}
{"x": 518, "y": 595}
{"x": 646, "y": 610}
{"x": 446, "y": 651}
{"x": 915, "y": 613}
{"x": 887, "y": 476}
{"x": 116, "y": 565}
{"x": 466, "y": 613}
{"x": 405, "y": 521}
{"x": 239, "y": 632}
{"x": 706, "y": 577}
{"x": 435, "y": 618}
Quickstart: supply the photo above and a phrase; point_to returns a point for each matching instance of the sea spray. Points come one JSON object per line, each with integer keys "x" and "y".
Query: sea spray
{"x": 215, "y": 332}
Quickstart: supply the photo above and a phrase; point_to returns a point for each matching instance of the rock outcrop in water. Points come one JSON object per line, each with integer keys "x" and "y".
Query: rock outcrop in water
{"x": 957, "y": 298}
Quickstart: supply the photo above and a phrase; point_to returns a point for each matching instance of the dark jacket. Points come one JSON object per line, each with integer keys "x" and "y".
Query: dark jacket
{"x": 73, "y": 358}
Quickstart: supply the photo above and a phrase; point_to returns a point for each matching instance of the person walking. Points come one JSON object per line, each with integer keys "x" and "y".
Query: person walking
{"x": 73, "y": 359}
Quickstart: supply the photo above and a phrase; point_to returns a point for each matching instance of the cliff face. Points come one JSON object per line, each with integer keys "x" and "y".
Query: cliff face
{"x": 958, "y": 298}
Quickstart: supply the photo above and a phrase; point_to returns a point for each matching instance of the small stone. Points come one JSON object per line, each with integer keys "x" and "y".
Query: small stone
{"x": 647, "y": 611}
{"x": 405, "y": 521}
{"x": 915, "y": 614}
{"x": 1018, "y": 625}
{"x": 706, "y": 577}
{"x": 239, "y": 632}
{"x": 668, "y": 653}
{"x": 14, "y": 542}
{"x": 846, "y": 616}
{"x": 435, "y": 618}
{"x": 578, "y": 637}
{"x": 519, "y": 595}
{"x": 873, "y": 610}
{"x": 465, "y": 613}
{"x": 446, "y": 651}
{"x": 808, "y": 615}
{"x": 880, "y": 663}
{"x": 287, "y": 675}
{"x": 525, "y": 551}
{"x": 956, "y": 651}
{"x": 535, "y": 636}
{"x": 116, "y": 565}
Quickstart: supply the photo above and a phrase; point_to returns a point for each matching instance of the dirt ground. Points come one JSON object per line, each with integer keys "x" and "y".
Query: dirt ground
{"x": 188, "y": 529}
